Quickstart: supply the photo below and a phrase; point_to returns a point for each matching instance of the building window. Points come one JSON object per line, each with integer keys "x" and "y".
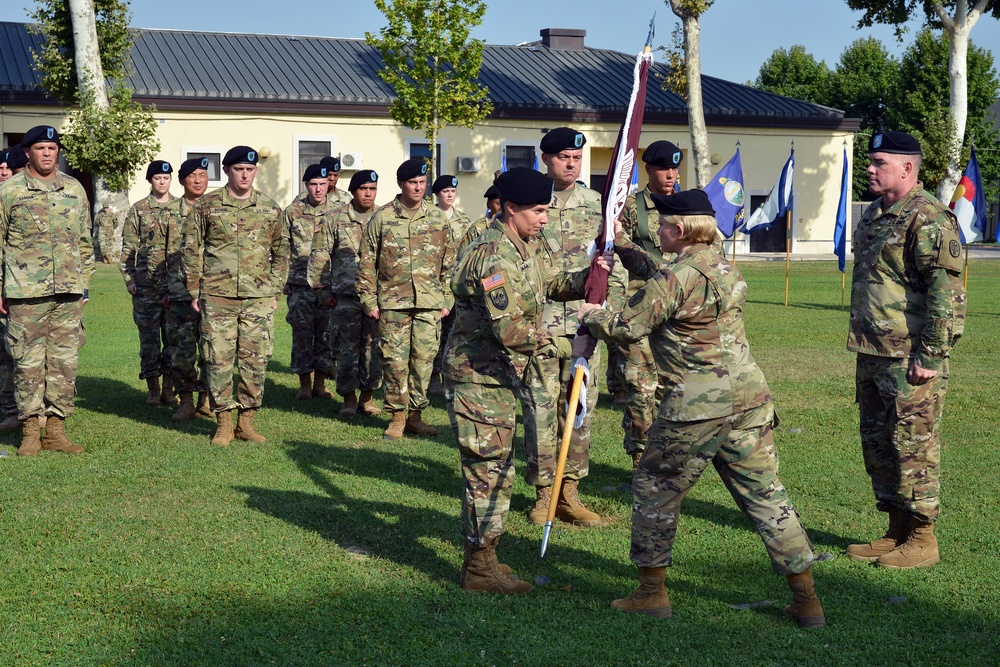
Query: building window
{"x": 311, "y": 152}
{"x": 520, "y": 156}
{"x": 215, "y": 176}
{"x": 424, "y": 150}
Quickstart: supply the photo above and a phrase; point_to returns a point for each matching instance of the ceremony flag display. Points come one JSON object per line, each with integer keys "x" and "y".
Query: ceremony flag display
{"x": 840, "y": 229}
{"x": 728, "y": 198}
{"x": 969, "y": 204}
{"x": 779, "y": 201}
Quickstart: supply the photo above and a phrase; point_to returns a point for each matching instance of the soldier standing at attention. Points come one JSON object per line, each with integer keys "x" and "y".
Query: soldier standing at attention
{"x": 46, "y": 261}
{"x": 403, "y": 282}
{"x": 333, "y": 273}
{"x": 17, "y": 159}
{"x": 8, "y": 405}
{"x": 907, "y": 312}
{"x": 154, "y": 353}
{"x": 332, "y": 166}
{"x": 104, "y": 231}
{"x": 5, "y": 171}
{"x": 312, "y": 348}
{"x": 501, "y": 286}
{"x": 718, "y": 409}
{"x": 445, "y": 188}
{"x": 183, "y": 321}
{"x": 479, "y": 226}
{"x": 235, "y": 258}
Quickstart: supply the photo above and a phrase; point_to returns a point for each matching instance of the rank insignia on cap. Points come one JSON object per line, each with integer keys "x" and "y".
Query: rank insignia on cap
{"x": 494, "y": 281}
{"x": 49, "y": 133}
{"x": 423, "y": 169}
{"x": 454, "y": 182}
{"x": 165, "y": 167}
{"x": 251, "y": 155}
{"x": 578, "y": 140}
{"x": 677, "y": 157}
{"x": 499, "y": 299}
{"x": 322, "y": 172}
{"x": 877, "y": 141}
{"x": 374, "y": 177}
{"x": 204, "y": 163}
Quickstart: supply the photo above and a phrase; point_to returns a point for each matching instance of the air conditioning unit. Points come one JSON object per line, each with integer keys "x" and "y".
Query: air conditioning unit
{"x": 351, "y": 161}
{"x": 468, "y": 164}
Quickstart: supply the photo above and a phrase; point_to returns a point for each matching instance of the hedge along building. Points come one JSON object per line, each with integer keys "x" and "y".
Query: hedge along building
{"x": 297, "y": 99}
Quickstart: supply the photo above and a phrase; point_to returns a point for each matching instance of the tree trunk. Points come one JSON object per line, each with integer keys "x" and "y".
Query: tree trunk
{"x": 696, "y": 110}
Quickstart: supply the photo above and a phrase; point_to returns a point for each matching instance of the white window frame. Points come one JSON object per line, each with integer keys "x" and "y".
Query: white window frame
{"x": 186, "y": 150}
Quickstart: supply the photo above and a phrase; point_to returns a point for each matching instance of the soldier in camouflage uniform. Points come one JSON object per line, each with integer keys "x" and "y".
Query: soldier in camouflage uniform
{"x": 312, "y": 347}
{"x": 5, "y": 170}
{"x": 235, "y": 259}
{"x": 717, "y": 406}
{"x": 333, "y": 194}
{"x": 333, "y": 274}
{"x": 104, "y": 232}
{"x": 167, "y": 274}
{"x": 643, "y": 391}
{"x": 403, "y": 281}
{"x": 149, "y": 315}
{"x": 46, "y": 262}
{"x": 8, "y": 405}
{"x": 907, "y": 311}
{"x": 500, "y": 288}
{"x": 477, "y": 227}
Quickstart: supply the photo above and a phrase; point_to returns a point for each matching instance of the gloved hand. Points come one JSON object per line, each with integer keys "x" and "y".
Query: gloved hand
{"x": 584, "y": 346}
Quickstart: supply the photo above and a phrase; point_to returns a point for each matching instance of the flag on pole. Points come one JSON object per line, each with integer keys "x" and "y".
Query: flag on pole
{"x": 503, "y": 160}
{"x": 969, "y": 203}
{"x": 725, "y": 191}
{"x": 779, "y": 200}
{"x": 633, "y": 184}
{"x": 840, "y": 230}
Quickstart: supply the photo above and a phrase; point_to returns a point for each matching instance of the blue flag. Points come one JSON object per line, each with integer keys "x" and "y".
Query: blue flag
{"x": 969, "y": 204}
{"x": 725, "y": 191}
{"x": 503, "y": 160}
{"x": 840, "y": 230}
{"x": 778, "y": 203}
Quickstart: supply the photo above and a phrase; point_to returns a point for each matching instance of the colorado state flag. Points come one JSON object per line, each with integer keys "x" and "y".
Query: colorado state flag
{"x": 969, "y": 203}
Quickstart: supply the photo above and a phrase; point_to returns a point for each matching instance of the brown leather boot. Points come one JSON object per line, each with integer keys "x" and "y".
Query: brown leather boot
{"x": 204, "y": 410}
{"x": 167, "y": 395}
{"x": 350, "y": 406}
{"x": 152, "y": 391}
{"x": 538, "y": 514}
{"x": 396, "y": 426}
{"x": 480, "y": 572}
{"x": 805, "y": 607}
{"x": 619, "y": 398}
{"x": 55, "y": 436}
{"x": 305, "y": 387}
{"x": 636, "y": 457}
{"x": 31, "y": 442}
{"x": 368, "y": 406}
{"x": 571, "y": 510}
{"x": 899, "y": 530}
{"x": 319, "y": 386}
{"x": 224, "y": 431}
{"x": 415, "y": 425}
{"x": 919, "y": 550}
{"x": 501, "y": 568}
{"x": 186, "y": 411}
{"x": 244, "y": 427}
{"x": 10, "y": 423}
{"x": 651, "y": 598}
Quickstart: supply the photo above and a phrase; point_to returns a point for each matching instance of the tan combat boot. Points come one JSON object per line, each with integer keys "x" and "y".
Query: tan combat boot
{"x": 919, "y": 550}
{"x": 244, "y": 427}
{"x": 186, "y": 411}
{"x": 350, "y": 406}
{"x": 805, "y": 607}
{"x": 415, "y": 425}
{"x": 31, "y": 442}
{"x": 899, "y": 530}
{"x": 204, "y": 409}
{"x": 305, "y": 387}
{"x": 501, "y": 568}
{"x": 651, "y": 598}
{"x": 396, "y": 426}
{"x": 319, "y": 386}
{"x": 571, "y": 510}
{"x": 10, "y": 423}
{"x": 636, "y": 457}
{"x": 153, "y": 391}
{"x": 224, "y": 431}
{"x": 540, "y": 512}
{"x": 55, "y": 436}
{"x": 368, "y": 406}
{"x": 167, "y": 395}
{"x": 480, "y": 572}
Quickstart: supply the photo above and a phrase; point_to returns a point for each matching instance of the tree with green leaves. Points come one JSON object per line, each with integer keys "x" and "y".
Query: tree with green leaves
{"x": 689, "y": 12}
{"x": 432, "y": 65}
{"x": 795, "y": 73}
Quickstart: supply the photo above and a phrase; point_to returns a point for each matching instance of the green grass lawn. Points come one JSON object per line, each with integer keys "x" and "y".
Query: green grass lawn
{"x": 330, "y": 546}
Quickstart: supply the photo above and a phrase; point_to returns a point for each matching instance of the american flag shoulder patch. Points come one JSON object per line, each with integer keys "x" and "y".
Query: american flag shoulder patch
{"x": 494, "y": 281}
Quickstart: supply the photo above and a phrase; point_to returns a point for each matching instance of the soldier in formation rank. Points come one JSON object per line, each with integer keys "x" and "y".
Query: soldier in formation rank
{"x": 479, "y": 226}
{"x": 336, "y": 196}
{"x": 8, "y": 404}
{"x": 445, "y": 188}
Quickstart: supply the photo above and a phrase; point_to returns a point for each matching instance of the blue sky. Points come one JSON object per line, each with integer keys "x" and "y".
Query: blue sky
{"x": 737, "y": 35}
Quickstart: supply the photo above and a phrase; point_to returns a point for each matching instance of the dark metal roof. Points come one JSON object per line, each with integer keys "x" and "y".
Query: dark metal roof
{"x": 183, "y": 69}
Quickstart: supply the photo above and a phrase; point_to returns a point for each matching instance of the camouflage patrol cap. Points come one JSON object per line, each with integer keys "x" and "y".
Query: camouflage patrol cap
{"x": 158, "y": 167}
{"x": 663, "y": 154}
{"x": 412, "y": 168}
{"x": 40, "y": 134}
{"x": 689, "y": 202}
{"x": 315, "y": 171}
{"x": 894, "y": 142}
{"x": 17, "y": 158}
{"x": 442, "y": 182}
{"x": 188, "y": 167}
{"x": 240, "y": 155}
{"x": 525, "y": 186}
{"x": 331, "y": 163}
{"x": 361, "y": 178}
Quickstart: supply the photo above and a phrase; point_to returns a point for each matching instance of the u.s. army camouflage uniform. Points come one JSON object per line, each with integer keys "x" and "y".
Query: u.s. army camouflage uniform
{"x": 333, "y": 271}
{"x": 404, "y": 271}
{"x": 907, "y": 306}
{"x": 458, "y": 223}
{"x": 500, "y": 289}
{"x": 570, "y": 228}
{"x": 183, "y": 321}
{"x": 148, "y": 314}
{"x": 105, "y": 223}
{"x": 717, "y": 405}
{"x": 472, "y": 232}
{"x": 235, "y": 257}
{"x": 47, "y": 259}
{"x": 312, "y": 343}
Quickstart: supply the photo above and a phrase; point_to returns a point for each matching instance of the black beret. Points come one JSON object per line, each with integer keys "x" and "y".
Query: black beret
{"x": 444, "y": 181}
{"x": 38, "y": 134}
{"x": 412, "y": 168}
{"x": 158, "y": 167}
{"x": 240, "y": 155}
{"x": 894, "y": 142}
{"x": 315, "y": 171}
{"x": 663, "y": 154}
{"x": 493, "y": 192}
{"x": 560, "y": 139}
{"x": 525, "y": 186}
{"x": 17, "y": 159}
{"x": 688, "y": 202}
{"x": 3, "y": 155}
{"x": 189, "y": 166}
{"x": 360, "y": 178}
{"x": 331, "y": 163}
